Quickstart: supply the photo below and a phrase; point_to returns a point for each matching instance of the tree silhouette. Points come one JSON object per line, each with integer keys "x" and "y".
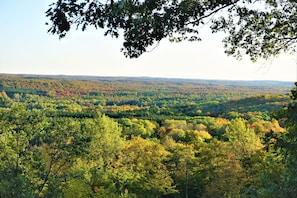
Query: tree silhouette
{"x": 260, "y": 28}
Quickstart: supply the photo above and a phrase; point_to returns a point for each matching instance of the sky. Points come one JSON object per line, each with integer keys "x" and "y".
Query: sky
{"x": 27, "y": 48}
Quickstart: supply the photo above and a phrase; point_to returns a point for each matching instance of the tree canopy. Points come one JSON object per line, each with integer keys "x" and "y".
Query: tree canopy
{"x": 258, "y": 28}
{"x": 59, "y": 144}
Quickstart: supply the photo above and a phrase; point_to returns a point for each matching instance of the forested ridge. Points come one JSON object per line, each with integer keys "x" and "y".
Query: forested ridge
{"x": 78, "y": 136}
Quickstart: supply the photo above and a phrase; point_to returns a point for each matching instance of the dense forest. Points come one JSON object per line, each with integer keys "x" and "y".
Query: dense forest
{"x": 78, "y": 136}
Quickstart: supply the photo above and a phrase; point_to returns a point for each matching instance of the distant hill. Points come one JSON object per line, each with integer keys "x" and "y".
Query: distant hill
{"x": 81, "y": 85}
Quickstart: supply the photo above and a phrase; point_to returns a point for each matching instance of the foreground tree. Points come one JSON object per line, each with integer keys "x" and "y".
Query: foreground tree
{"x": 288, "y": 145}
{"x": 18, "y": 128}
{"x": 279, "y": 172}
{"x": 258, "y": 28}
{"x": 141, "y": 171}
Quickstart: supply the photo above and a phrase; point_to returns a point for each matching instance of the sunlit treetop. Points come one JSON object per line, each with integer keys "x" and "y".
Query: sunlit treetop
{"x": 258, "y": 28}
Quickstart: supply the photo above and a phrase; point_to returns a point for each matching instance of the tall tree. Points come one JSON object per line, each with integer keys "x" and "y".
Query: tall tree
{"x": 258, "y": 28}
{"x": 181, "y": 164}
{"x": 288, "y": 145}
{"x": 91, "y": 173}
{"x": 243, "y": 140}
{"x": 141, "y": 170}
{"x": 18, "y": 129}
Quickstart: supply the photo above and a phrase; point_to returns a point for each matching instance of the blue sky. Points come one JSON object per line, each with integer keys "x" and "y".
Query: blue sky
{"x": 26, "y": 47}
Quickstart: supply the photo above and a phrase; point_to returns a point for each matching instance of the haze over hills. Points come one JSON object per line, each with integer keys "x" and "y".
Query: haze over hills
{"x": 67, "y": 85}
{"x": 148, "y": 78}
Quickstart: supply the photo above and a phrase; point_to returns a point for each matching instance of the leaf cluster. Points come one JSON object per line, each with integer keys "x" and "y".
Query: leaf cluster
{"x": 144, "y": 22}
{"x": 261, "y": 28}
